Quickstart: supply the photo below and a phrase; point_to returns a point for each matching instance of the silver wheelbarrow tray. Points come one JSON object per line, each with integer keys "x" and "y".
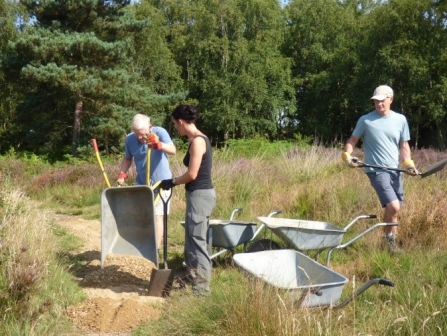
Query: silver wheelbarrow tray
{"x": 304, "y": 234}
{"x": 304, "y": 281}
{"x": 303, "y": 278}
{"x": 128, "y": 223}
{"x": 229, "y": 234}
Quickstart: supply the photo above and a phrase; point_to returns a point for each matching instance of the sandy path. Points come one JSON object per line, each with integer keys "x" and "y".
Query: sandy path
{"x": 117, "y": 296}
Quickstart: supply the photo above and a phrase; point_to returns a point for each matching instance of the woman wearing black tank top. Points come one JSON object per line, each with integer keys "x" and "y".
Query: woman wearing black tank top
{"x": 200, "y": 197}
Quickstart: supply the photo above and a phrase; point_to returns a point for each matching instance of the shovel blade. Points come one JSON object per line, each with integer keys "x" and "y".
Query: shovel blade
{"x": 161, "y": 282}
{"x": 434, "y": 168}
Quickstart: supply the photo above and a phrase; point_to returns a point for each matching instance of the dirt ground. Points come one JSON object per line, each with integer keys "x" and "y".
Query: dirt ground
{"x": 117, "y": 293}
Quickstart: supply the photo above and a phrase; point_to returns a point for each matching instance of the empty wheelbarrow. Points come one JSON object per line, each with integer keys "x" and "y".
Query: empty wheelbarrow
{"x": 226, "y": 235}
{"x": 305, "y": 235}
{"x": 304, "y": 281}
{"x": 128, "y": 223}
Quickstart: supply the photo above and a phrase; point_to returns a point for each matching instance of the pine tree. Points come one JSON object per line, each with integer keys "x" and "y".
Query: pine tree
{"x": 77, "y": 59}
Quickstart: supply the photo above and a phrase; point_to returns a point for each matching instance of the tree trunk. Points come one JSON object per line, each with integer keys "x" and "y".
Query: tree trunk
{"x": 76, "y": 128}
{"x": 441, "y": 141}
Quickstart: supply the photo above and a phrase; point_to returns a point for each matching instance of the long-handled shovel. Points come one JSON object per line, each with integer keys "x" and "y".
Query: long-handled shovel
{"x": 161, "y": 280}
{"x": 430, "y": 170}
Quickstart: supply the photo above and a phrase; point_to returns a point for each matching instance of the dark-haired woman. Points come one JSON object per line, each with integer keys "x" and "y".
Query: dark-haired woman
{"x": 200, "y": 197}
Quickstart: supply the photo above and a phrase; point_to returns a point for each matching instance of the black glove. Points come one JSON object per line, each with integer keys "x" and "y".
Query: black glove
{"x": 167, "y": 184}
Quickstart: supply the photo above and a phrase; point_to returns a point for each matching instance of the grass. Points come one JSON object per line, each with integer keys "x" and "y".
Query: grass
{"x": 35, "y": 286}
{"x": 307, "y": 183}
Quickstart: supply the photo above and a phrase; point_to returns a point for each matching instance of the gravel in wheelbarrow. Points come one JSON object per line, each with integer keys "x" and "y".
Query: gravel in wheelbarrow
{"x": 304, "y": 281}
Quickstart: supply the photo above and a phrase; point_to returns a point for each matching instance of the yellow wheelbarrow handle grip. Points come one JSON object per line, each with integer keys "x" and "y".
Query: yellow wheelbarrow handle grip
{"x": 155, "y": 186}
{"x": 95, "y": 148}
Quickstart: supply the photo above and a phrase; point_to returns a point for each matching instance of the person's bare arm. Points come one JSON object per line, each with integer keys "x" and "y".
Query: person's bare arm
{"x": 405, "y": 152}
{"x": 168, "y": 148}
{"x": 351, "y": 143}
{"x": 125, "y": 165}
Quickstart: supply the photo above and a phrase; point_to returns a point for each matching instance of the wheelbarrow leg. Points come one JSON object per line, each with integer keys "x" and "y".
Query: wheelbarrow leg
{"x": 317, "y": 255}
{"x": 209, "y": 240}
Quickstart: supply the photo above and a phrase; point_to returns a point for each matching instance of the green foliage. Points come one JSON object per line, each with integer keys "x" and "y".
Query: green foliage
{"x": 30, "y": 163}
{"x": 257, "y": 147}
{"x": 307, "y": 182}
{"x": 322, "y": 38}
{"x": 255, "y": 69}
{"x": 411, "y": 63}
{"x": 86, "y": 61}
{"x": 8, "y": 95}
{"x": 232, "y": 64}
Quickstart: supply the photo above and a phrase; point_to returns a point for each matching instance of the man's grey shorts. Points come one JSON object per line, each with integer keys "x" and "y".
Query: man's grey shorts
{"x": 158, "y": 206}
{"x": 388, "y": 186}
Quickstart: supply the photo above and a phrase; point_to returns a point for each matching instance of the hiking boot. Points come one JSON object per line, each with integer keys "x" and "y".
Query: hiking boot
{"x": 392, "y": 244}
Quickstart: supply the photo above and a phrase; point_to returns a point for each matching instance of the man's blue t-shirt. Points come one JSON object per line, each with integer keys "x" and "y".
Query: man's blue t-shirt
{"x": 158, "y": 161}
{"x": 381, "y": 137}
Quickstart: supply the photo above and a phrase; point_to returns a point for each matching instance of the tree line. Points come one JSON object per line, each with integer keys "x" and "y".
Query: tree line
{"x": 75, "y": 70}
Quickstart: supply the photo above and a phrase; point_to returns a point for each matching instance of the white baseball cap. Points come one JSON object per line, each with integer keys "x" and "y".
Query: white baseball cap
{"x": 382, "y": 92}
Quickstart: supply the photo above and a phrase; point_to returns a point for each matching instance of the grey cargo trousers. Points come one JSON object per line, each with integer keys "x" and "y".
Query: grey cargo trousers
{"x": 199, "y": 206}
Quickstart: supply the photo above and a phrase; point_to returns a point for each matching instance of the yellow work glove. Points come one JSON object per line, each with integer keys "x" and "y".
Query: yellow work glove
{"x": 350, "y": 161}
{"x": 409, "y": 167}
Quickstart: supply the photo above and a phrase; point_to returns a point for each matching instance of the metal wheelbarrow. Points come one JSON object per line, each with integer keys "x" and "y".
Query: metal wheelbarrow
{"x": 304, "y": 281}
{"x": 226, "y": 235}
{"x": 128, "y": 222}
{"x": 305, "y": 235}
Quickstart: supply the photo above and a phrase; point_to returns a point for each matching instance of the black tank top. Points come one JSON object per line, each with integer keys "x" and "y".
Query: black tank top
{"x": 203, "y": 179}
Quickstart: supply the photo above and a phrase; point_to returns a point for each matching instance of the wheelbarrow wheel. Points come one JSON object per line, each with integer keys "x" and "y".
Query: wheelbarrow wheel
{"x": 263, "y": 245}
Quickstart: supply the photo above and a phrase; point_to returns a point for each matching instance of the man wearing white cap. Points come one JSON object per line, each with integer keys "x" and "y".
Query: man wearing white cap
{"x": 385, "y": 137}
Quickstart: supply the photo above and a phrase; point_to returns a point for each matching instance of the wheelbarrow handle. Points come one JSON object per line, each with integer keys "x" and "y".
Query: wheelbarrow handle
{"x": 274, "y": 212}
{"x": 95, "y": 148}
{"x": 364, "y": 288}
{"x": 341, "y": 246}
{"x": 386, "y": 282}
{"x": 234, "y": 211}
{"x": 357, "y": 218}
{"x": 391, "y": 224}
